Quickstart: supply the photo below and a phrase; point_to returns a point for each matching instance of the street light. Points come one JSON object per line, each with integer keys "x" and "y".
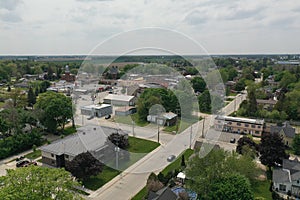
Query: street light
{"x": 117, "y": 150}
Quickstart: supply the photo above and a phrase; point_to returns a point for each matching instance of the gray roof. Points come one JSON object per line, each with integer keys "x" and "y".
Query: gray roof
{"x": 286, "y": 129}
{"x": 280, "y": 176}
{"x": 163, "y": 194}
{"x": 87, "y": 138}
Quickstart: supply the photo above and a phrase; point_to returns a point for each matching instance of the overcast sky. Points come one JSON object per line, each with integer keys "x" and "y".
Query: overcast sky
{"x": 220, "y": 26}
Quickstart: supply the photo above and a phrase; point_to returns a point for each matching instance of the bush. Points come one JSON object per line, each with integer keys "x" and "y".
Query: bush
{"x": 18, "y": 143}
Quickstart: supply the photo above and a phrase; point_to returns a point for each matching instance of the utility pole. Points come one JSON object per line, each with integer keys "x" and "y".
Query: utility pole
{"x": 133, "y": 128}
{"x": 117, "y": 149}
{"x": 191, "y": 136}
{"x": 203, "y": 127}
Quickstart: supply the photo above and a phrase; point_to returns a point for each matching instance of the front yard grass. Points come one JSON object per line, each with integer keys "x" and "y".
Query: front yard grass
{"x": 261, "y": 189}
{"x": 128, "y": 120}
{"x": 34, "y": 155}
{"x": 171, "y": 167}
{"x": 138, "y": 147}
{"x": 95, "y": 182}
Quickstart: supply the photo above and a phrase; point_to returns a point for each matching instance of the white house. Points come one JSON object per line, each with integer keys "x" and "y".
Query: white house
{"x": 287, "y": 179}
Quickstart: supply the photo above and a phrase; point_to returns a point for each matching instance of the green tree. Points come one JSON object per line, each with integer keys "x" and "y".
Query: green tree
{"x": 119, "y": 140}
{"x": 231, "y": 187}
{"x": 296, "y": 144}
{"x": 198, "y": 84}
{"x": 205, "y": 102}
{"x": 272, "y": 150}
{"x": 246, "y": 142}
{"x": 287, "y": 79}
{"x": 84, "y": 165}
{"x": 37, "y": 183}
{"x": 252, "y": 104}
{"x": 214, "y": 166}
{"x": 56, "y": 110}
{"x": 31, "y": 98}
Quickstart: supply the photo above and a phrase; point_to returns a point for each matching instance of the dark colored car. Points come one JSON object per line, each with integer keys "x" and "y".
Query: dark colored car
{"x": 171, "y": 158}
{"x": 22, "y": 163}
{"x": 25, "y": 163}
{"x": 107, "y": 117}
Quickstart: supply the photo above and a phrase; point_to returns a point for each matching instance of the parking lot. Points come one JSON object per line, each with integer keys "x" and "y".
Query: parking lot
{"x": 212, "y": 134}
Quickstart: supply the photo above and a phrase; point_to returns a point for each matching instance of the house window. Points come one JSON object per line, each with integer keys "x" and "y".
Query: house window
{"x": 282, "y": 187}
{"x": 52, "y": 162}
{"x": 258, "y": 126}
{"x": 252, "y": 126}
{"x": 219, "y": 121}
{"x": 229, "y": 123}
{"x": 246, "y": 125}
{"x": 256, "y": 132}
{"x": 238, "y": 123}
{"x": 52, "y": 155}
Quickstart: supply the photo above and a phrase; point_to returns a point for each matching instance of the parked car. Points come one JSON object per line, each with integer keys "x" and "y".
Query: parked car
{"x": 25, "y": 163}
{"x": 90, "y": 117}
{"x": 20, "y": 158}
{"x": 232, "y": 140}
{"x": 107, "y": 116}
{"x": 22, "y": 163}
{"x": 171, "y": 158}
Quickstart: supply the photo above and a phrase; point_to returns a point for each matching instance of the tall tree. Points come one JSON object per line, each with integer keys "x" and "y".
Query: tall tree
{"x": 231, "y": 187}
{"x": 252, "y": 104}
{"x": 296, "y": 144}
{"x": 38, "y": 183}
{"x": 84, "y": 165}
{"x": 31, "y": 98}
{"x": 119, "y": 140}
{"x": 198, "y": 84}
{"x": 56, "y": 110}
{"x": 272, "y": 150}
{"x": 214, "y": 166}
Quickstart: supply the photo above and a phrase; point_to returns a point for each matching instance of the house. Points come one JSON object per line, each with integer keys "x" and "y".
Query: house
{"x": 266, "y": 104}
{"x": 67, "y": 76}
{"x": 286, "y": 131}
{"x": 163, "y": 194}
{"x": 239, "y": 125}
{"x": 287, "y": 179}
{"x": 167, "y": 119}
{"x": 88, "y": 138}
{"x": 119, "y": 100}
{"x": 97, "y": 110}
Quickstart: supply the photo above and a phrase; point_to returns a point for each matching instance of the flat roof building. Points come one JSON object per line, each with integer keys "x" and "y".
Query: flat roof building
{"x": 239, "y": 125}
{"x": 97, "y": 110}
{"x": 119, "y": 100}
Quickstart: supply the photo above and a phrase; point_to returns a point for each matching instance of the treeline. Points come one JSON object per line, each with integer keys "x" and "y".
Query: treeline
{"x": 19, "y": 142}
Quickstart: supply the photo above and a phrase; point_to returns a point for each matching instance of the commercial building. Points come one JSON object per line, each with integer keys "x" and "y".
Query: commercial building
{"x": 97, "y": 110}
{"x": 239, "y": 125}
{"x": 119, "y": 100}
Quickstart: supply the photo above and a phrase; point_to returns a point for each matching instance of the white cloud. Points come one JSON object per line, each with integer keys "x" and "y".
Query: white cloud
{"x": 75, "y": 26}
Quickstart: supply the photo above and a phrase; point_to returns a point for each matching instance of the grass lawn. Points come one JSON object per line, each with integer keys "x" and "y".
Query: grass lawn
{"x": 69, "y": 130}
{"x": 140, "y": 196}
{"x": 174, "y": 165}
{"x": 128, "y": 120}
{"x": 261, "y": 189}
{"x": 136, "y": 145}
{"x": 34, "y": 154}
{"x": 95, "y": 182}
{"x": 182, "y": 125}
